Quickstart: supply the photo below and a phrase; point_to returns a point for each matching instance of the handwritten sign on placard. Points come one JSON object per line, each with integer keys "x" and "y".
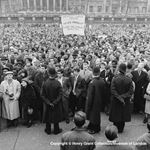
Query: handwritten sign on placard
{"x": 73, "y": 24}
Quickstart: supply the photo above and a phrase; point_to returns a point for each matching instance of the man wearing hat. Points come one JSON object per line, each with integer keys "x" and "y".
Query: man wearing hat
{"x": 95, "y": 97}
{"x": 2, "y": 76}
{"x": 51, "y": 93}
{"x": 78, "y": 138}
{"x": 28, "y": 62}
{"x": 121, "y": 93}
{"x": 10, "y": 89}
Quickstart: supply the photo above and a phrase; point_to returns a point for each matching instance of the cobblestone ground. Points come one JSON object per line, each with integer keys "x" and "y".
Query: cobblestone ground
{"x": 34, "y": 138}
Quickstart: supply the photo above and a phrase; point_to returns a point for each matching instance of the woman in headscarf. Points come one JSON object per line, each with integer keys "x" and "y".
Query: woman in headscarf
{"x": 27, "y": 101}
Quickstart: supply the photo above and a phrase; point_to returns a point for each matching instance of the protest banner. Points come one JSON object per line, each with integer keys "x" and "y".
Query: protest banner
{"x": 73, "y": 24}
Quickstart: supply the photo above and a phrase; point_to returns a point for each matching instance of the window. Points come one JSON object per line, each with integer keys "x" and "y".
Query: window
{"x": 91, "y": 9}
{"x": 129, "y": 10}
{"x": 136, "y": 10}
{"x": 99, "y": 9}
{"x": 122, "y": 9}
{"x": 107, "y": 9}
{"x": 144, "y": 10}
{"x": 82, "y": 8}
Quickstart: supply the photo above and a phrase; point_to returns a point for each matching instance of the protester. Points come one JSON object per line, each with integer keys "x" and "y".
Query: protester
{"x": 29, "y": 48}
{"x": 111, "y": 134}
{"x": 147, "y": 104}
{"x": 10, "y": 89}
{"x": 28, "y": 102}
{"x": 140, "y": 79}
{"x": 66, "y": 90}
{"x": 143, "y": 142}
{"x": 78, "y": 89}
{"x": 78, "y": 139}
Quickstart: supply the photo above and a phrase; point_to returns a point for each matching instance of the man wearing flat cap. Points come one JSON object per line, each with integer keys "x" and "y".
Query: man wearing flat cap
{"x": 121, "y": 93}
{"x": 78, "y": 139}
{"x": 51, "y": 93}
{"x": 10, "y": 90}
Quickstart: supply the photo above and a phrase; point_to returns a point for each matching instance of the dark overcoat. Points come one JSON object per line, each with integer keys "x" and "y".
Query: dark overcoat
{"x": 28, "y": 97}
{"x": 38, "y": 81}
{"x": 121, "y": 89}
{"x": 52, "y": 94}
{"x": 94, "y": 99}
{"x": 80, "y": 87}
{"x": 141, "y": 82}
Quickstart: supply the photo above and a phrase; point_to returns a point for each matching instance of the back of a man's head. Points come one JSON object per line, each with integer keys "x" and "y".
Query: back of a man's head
{"x": 79, "y": 119}
{"x": 111, "y": 132}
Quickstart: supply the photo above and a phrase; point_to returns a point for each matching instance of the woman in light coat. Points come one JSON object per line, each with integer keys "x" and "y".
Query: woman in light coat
{"x": 10, "y": 90}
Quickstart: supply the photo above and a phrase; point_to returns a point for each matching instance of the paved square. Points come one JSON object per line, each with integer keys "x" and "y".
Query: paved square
{"x": 34, "y": 138}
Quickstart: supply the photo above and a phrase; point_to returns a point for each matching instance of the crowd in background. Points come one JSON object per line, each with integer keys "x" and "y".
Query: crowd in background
{"x": 28, "y": 50}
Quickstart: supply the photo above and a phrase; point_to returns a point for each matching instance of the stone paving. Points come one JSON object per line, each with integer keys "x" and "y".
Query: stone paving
{"x": 34, "y": 138}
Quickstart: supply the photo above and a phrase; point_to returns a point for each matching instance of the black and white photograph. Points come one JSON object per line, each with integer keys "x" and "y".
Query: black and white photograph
{"x": 74, "y": 74}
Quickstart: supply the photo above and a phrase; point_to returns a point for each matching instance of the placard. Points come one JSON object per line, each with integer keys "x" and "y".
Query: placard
{"x": 73, "y": 24}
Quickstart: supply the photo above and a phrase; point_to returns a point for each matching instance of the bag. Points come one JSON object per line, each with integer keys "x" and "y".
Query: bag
{"x": 147, "y": 97}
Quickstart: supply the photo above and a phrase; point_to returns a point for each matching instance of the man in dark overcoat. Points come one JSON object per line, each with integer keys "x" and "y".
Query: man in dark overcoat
{"x": 140, "y": 79}
{"x": 52, "y": 95}
{"x": 121, "y": 93}
{"x": 94, "y": 99}
{"x": 78, "y": 91}
{"x": 40, "y": 77}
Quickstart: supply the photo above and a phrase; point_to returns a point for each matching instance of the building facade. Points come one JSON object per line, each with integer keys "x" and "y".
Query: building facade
{"x": 88, "y": 7}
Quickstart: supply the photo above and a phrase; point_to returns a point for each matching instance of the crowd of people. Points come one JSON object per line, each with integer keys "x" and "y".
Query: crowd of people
{"x": 48, "y": 76}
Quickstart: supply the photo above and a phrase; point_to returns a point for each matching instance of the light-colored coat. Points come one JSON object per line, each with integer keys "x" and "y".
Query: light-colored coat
{"x": 147, "y": 104}
{"x": 10, "y": 108}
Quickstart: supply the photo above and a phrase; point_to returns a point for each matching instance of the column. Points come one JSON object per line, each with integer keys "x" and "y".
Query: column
{"x": 28, "y": 5}
{"x": 41, "y": 5}
{"x": 54, "y": 4}
{"x": 111, "y": 6}
{"x": 120, "y": 6}
{"x": 47, "y": 5}
{"x": 10, "y": 6}
{"x": 21, "y": 4}
{"x": 34, "y": 5}
{"x": 148, "y": 6}
{"x": 104, "y": 6}
{"x": 127, "y": 7}
{"x": 60, "y": 5}
{"x": 67, "y": 5}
